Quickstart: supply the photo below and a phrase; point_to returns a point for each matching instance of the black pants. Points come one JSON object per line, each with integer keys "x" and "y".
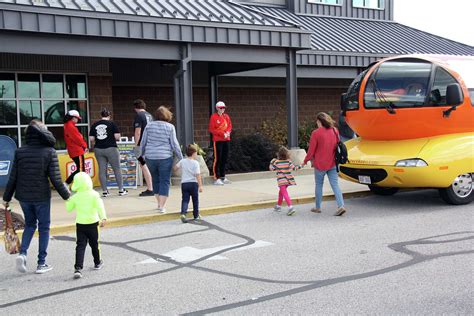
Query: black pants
{"x": 87, "y": 233}
{"x": 80, "y": 166}
{"x": 221, "y": 153}
{"x": 190, "y": 189}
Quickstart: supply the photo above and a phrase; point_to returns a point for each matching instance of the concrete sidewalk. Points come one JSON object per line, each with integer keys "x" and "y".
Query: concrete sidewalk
{"x": 247, "y": 192}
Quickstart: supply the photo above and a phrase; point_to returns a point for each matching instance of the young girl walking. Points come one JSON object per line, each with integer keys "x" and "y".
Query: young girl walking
{"x": 283, "y": 167}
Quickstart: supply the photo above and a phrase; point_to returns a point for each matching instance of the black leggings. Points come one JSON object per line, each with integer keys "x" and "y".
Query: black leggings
{"x": 80, "y": 166}
{"x": 221, "y": 153}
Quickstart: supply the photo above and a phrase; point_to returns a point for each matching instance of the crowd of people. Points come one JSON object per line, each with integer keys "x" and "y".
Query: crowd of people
{"x": 156, "y": 147}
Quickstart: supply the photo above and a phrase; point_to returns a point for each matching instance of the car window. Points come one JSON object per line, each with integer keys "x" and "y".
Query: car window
{"x": 441, "y": 81}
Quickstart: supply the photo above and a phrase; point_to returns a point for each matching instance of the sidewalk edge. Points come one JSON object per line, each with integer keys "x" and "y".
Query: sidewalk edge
{"x": 225, "y": 209}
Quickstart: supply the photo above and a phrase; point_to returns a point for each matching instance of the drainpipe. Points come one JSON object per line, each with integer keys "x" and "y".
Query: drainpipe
{"x": 292, "y": 99}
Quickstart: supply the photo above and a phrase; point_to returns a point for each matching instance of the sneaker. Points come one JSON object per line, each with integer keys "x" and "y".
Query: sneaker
{"x": 226, "y": 181}
{"x": 291, "y": 211}
{"x": 340, "y": 211}
{"x": 123, "y": 192}
{"x": 43, "y": 268}
{"x": 316, "y": 210}
{"x": 105, "y": 194}
{"x": 161, "y": 210}
{"x": 98, "y": 266}
{"x": 218, "y": 182}
{"x": 77, "y": 274}
{"x": 21, "y": 263}
{"x": 183, "y": 218}
{"x": 277, "y": 208}
{"x": 198, "y": 218}
{"x": 147, "y": 193}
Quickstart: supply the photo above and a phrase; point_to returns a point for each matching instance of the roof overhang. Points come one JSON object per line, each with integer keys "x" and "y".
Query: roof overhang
{"x": 54, "y": 21}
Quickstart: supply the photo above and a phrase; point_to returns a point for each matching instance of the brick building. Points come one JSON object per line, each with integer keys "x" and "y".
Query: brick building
{"x": 256, "y": 56}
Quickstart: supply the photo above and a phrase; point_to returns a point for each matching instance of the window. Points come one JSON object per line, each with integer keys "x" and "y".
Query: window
{"x": 27, "y": 96}
{"x": 440, "y": 84}
{"x": 398, "y": 84}
{"x": 352, "y": 96}
{"x": 368, "y": 4}
{"x": 332, "y": 2}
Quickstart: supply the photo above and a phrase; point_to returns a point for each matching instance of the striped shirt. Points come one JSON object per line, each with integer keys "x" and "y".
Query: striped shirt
{"x": 159, "y": 141}
{"x": 283, "y": 169}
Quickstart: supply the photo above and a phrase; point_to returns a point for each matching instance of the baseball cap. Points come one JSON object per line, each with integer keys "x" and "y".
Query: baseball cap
{"x": 220, "y": 105}
{"x": 74, "y": 113}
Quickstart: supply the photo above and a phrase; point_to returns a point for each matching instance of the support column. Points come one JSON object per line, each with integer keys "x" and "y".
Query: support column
{"x": 183, "y": 91}
{"x": 292, "y": 99}
{"x": 213, "y": 93}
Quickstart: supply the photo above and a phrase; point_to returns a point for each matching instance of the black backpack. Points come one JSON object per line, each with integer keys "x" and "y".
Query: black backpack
{"x": 340, "y": 156}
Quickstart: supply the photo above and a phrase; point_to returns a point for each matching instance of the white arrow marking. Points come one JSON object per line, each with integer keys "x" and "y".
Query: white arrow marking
{"x": 188, "y": 254}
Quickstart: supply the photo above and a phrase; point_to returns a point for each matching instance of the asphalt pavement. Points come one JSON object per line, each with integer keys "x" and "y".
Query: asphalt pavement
{"x": 405, "y": 254}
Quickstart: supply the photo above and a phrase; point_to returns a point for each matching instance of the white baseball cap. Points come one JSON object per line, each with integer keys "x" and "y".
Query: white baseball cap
{"x": 220, "y": 105}
{"x": 74, "y": 113}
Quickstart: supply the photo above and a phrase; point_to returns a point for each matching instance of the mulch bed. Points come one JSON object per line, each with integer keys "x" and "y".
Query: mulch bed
{"x": 18, "y": 221}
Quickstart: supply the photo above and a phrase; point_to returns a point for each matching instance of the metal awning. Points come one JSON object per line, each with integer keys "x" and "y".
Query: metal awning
{"x": 205, "y": 21}
{"x": 337, "y": 41}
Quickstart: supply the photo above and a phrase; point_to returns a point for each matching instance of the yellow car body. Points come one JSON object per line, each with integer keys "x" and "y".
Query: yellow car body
{"x": 375, "y": 162}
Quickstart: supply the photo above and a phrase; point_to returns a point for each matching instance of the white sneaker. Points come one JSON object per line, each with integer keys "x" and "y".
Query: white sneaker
{"x": 218, "y": 182}
{"x": 21, "y": 263}
{"x": 162, "y": 210}
{"x": 123, "y": 192}
{"x": 43, "y": 268}
{"x": 226, "y": 181}
{"x": 291, "y": 211}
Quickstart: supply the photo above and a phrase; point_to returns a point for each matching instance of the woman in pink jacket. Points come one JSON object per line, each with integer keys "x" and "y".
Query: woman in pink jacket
{"x": 322, "y": 146}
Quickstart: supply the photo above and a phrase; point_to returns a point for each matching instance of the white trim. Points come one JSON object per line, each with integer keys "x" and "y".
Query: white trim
{"x": 382, "y": 7}
{"x": 339, "y": 4}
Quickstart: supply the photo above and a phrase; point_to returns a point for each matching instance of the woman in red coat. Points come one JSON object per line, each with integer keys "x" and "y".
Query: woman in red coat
{"x": 75, "y": 143}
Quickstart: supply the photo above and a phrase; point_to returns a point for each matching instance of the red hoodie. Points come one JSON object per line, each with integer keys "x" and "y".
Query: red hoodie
{"x": 75, "y": 143}
{"x": 218, "y": 125}
{"x": 322, "y": 146}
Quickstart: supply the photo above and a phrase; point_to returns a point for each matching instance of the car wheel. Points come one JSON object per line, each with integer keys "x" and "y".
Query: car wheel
{"x": 382, "y": 190}
{"x": 461, "y": 191}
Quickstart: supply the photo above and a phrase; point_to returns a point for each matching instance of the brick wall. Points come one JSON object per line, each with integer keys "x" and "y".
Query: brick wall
{"x": 248, "y": 107}
{"x": 100, "y": 95}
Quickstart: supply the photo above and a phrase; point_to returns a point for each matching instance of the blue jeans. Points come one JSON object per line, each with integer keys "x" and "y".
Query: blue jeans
{"x": 333, "y": 180}
{"x": 190, "y": 189}
{"x": 36, "y": 213}
{"x": 160, "y": 170}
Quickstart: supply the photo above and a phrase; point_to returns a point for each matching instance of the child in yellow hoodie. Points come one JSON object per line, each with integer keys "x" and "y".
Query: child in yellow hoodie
{"x": 90, "y": 213}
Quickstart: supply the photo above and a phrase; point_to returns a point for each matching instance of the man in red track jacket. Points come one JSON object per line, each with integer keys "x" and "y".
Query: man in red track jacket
{"x": 75, "y": 143}
{"x": 220, "y": 127}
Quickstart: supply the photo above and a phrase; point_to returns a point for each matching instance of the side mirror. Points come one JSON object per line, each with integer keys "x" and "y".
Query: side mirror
{"x": 454, "y": 94}
{"x": 344, "y": 103}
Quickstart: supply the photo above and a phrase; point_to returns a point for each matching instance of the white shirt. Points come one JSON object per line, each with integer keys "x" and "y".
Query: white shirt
{"x": 189, "y": 170}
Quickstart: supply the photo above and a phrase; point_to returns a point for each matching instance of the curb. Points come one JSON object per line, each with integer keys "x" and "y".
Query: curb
{"x": 218, "y": 210}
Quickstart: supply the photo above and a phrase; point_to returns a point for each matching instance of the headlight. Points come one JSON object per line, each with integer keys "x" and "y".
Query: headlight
{"x": 411, "y": 163}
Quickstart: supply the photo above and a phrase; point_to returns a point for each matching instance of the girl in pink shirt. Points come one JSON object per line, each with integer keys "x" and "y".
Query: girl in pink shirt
{"x": 321, "y": 153}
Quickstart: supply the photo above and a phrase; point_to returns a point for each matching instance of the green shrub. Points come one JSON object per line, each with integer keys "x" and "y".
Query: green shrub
{"x": 276, "y": 129}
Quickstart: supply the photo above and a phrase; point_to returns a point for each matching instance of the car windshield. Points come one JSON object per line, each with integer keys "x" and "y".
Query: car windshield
{"x": 398, "y": 84}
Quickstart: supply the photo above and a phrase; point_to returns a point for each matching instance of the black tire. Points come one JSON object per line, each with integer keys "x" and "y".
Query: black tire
{"x": 382, "y": 190}
{"x": 452, "y": 194}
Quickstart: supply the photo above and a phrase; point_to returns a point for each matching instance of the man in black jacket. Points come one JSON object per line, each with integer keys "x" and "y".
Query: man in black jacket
{"x": 34, "y": 164}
